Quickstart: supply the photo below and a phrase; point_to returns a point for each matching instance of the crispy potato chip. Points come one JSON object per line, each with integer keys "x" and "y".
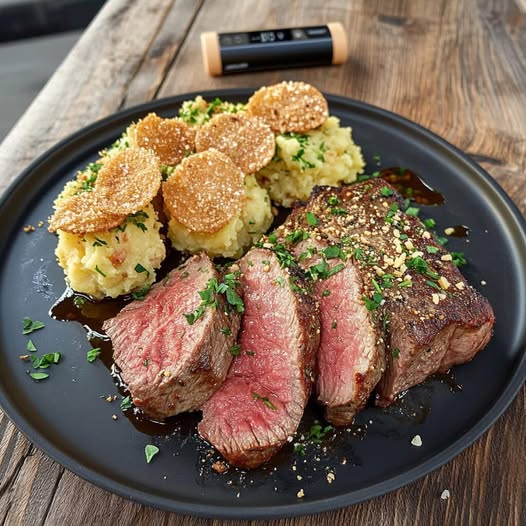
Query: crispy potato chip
{"x": 128, "y": 181}
{"x": 171, "y": 139}
{"x": 289, "y": 107}
{"x": 82, "y": 214}
{"x": 248, "y": 141}
{"x": 205, "y": 192}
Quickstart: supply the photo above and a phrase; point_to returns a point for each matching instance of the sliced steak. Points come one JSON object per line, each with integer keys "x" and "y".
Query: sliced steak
{"x": 262, "y": 400}
{"x": 432, "y": 317}
{"x": 351, "y": 355}
{"x": 170, "y": 365}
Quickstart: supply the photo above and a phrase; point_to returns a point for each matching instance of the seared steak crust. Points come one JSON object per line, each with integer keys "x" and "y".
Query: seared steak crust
{"x": 169, "y": 365}
{"x": 430, "y": 316}
{"x": 262, "y": 400}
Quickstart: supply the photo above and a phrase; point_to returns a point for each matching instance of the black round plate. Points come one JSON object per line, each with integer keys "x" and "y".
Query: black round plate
{"x": 66, "y": 417}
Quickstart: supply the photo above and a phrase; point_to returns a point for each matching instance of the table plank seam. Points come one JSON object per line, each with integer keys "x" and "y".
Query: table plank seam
{"x": 53, "y": 493}
{"x": 177, "y": 53}
{"x": 148, "y": 47}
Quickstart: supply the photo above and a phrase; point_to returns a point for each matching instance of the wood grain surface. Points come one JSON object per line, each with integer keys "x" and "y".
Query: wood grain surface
{"x": 456, "y": 67}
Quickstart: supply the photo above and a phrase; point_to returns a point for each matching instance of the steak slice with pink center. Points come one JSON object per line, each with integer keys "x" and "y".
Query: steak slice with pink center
{"x": 170, "y": 365}
{"x": 351, "y": 355}
{"x": 262, "y": 400}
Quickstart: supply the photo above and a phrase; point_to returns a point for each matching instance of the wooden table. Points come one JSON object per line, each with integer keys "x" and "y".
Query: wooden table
{"x": 456, "y": 67}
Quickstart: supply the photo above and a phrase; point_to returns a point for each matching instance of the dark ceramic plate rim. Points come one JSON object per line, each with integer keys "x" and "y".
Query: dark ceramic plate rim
{"x": 295, "y": 508}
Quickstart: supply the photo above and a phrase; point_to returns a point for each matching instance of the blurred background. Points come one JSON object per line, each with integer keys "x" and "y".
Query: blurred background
{"x": 35, "y": 36}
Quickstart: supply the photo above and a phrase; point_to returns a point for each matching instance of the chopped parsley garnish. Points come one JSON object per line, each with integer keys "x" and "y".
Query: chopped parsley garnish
{"x": 412, "y": 211}
{"x": 235, "y": 350}
{"x": 396, "y": 352}
{"x": 458, "y": 259}
{"x": 30, "y": 326}
{"x": 334, "y": 324}
{"x": 297, "y": 236}
{"x": 150, "y": 451}
{"x": 334, "y": 251}
{"x": 386, "y": 191}
{"x": 31, "y": 346}
{"x": 338, "y": 211}
{"x": 392, "y": 211}
{"x": 302, "y": 139}
{"x": 78, "y": 301}
{"x": 441, "y": 240}
{"x": 323, "y": 271}
{"x": 280, "y": 281}
{"x": 126, "y": 403}
{"x": 265, "y": 400}
{"x": 209, "y": 297}
{"x": 406, "y": 283}
{"x": 317, "y": 432}
{"x": 326, "y": 293}
{"x": 333, "y": 201}
{"x": 212, "y": 105}
{"x": 93, "y": 354}
{"x": 431, "y": 250}
{"x": 139, "y": 295}
{"x": 285, "y": 258}
{"x": 97, "y": 269}
{"x": 226, "y": 331}
{"x": 45, "y": 361}
{"x": 139, "y": 269}
{"x": 39, "y": 376}
{"x": 99, "y": 242}
{"x": 429, "y": 222}
{"x": 373, "y": 303}
{"x": 300, "y": 449}
{"x": 311, "y": 219}
{"x": 421, "y": 266}
{"x": 377, "y": 159}
{"x": 304, "y": 163}
{"x": 433, "y": 284}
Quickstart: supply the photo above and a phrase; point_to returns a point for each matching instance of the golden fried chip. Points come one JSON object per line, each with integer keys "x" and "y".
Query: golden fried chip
{"x": 205, "y": 192}
{"x": 171, "y": 139}
{"x": 289, "y": 107}
{"x": 82, "y": 214}
{"x": 248, "y": 141}
{"x": 128, "y": 181}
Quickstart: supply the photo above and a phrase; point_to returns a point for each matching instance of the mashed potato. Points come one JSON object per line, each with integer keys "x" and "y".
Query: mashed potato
{"x": 324, "y": 156}
{"x": 197, "y": 112}
{"x": 116, "y": 262}
{"x": 235, "y": 237}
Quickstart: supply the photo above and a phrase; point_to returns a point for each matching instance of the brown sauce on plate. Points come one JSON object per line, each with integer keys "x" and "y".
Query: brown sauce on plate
{"x": 410, "y": 185}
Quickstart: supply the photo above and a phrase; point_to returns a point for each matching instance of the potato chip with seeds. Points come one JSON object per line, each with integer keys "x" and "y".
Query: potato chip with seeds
{"x": 248, "y": 141}
{"x": 289, "y": 107}
{"x": 82, "y": 214}
{"x": 205, "y": 192}
{"x": 171, "y": 139}
{"x": 128, "y": 181}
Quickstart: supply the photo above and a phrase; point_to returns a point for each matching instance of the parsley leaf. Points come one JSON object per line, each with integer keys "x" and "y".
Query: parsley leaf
{"x": 312, "y": 220}
{"x": 150, "y": 451}
{"x": 30, "y": 326}
{"x": 93, "y": 354}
